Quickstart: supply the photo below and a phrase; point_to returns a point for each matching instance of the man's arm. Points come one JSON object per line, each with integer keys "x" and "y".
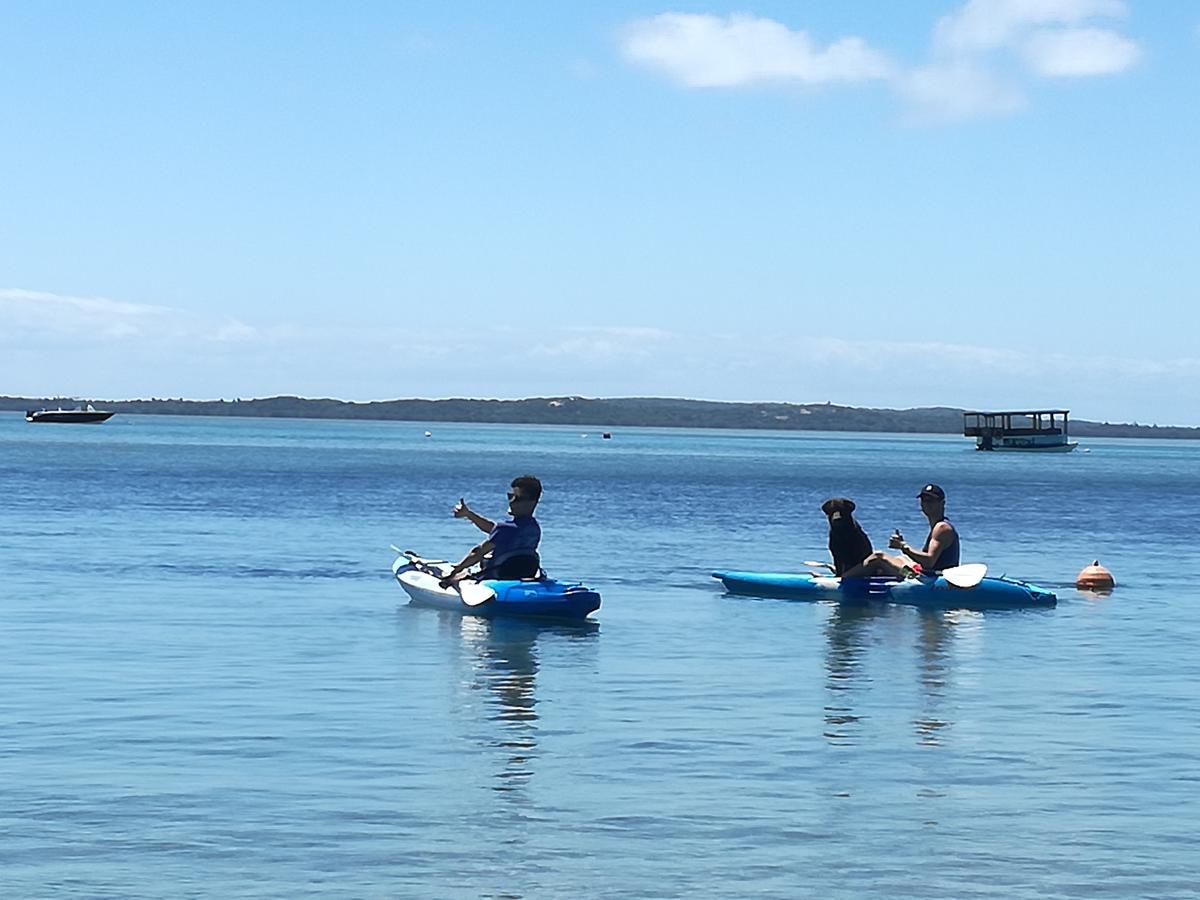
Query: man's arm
{"x": 462, "y": 511}
{"x": 476, "y": 556}
{"x": 937, "y": 542}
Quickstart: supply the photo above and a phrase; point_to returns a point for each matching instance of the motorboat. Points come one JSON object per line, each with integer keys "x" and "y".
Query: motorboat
{"x": 88, "y": 414}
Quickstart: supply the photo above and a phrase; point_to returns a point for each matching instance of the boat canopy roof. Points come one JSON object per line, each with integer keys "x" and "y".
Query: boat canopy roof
{"x": 1018, "y": 412}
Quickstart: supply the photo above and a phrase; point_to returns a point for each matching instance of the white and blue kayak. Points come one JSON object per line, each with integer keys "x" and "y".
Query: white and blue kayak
{"x": 927, "y": 591}
{"x": 543, "y": 598}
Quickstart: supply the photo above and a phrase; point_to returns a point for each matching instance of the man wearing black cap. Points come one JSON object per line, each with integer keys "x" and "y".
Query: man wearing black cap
{"x": 941, "y": 548}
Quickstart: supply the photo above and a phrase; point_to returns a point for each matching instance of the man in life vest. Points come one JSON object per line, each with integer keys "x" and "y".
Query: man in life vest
{"x": 510, "y": 549}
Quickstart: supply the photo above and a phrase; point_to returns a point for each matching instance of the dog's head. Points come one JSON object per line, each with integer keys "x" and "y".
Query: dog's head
{"x": 839, "y": 510}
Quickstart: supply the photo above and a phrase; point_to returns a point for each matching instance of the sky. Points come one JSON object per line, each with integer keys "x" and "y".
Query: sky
{"x": 976, "y": 203}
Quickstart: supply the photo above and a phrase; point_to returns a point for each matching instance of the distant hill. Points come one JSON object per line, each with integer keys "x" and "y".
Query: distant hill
{"x": 597, "y": 413}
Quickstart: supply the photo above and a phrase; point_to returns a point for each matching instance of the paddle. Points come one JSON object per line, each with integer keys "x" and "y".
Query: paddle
{"x": 414, "y": 558}
{"x": 965, "y": 576}
{"x": 819, "y": 565}
{"x": 472, "y": 592}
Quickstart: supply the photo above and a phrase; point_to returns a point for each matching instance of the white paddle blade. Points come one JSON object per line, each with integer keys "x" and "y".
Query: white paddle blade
{"x": 818, "y": 565}
{"x": 965, "y": 576}
{"x": 473, "y": 593}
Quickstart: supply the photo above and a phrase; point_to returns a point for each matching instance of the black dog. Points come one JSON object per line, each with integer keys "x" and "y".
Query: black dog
{"x": 848, "y": 542}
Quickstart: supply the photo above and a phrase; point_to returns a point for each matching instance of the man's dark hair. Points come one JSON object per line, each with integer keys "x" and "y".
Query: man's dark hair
{"x": 529, "y": 486}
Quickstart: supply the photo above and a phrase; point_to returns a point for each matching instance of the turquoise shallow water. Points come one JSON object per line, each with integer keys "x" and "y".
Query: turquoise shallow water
{"x": 212, "y": 687}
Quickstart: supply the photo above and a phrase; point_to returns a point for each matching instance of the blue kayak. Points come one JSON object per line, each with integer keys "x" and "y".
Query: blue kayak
{"x": 543, "y": 598}
{"x": 936, "y": 593}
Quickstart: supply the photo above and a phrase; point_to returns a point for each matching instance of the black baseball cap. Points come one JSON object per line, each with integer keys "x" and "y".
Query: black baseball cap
{"x": 932, "y": 490}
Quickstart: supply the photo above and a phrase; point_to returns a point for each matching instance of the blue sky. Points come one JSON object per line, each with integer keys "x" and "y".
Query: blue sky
{"x": 980, "y": 204}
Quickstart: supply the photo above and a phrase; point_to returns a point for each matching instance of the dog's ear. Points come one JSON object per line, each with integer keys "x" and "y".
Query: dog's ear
{"x": 849, "y": 507}
{"x": 829, "y": 506}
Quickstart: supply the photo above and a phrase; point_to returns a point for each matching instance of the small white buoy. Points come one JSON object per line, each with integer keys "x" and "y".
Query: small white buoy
{"x": 583, "y": 435}
{"x": 1087, "y": 449}
{"x": 429, "y": 434}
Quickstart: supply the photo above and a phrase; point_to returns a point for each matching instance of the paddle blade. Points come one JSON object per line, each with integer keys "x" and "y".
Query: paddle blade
{"x": 473, "y": 593}
{"x": 965, "y": 576}
{"x": 818, "y": 565}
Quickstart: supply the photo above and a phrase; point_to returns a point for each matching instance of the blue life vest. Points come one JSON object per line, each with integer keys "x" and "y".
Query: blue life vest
{"x": 514, "y": 548}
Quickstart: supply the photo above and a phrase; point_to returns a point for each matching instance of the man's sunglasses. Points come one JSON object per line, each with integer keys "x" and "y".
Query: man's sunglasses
{"x": 514, "y": 496}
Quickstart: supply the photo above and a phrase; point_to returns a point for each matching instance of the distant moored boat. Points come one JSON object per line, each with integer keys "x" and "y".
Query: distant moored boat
{"x": 88, "y": 414}
{"x": 1043, "y": 430}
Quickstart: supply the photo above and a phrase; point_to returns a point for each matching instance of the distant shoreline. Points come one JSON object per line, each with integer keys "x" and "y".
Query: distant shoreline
{"x": 650, "y": 412}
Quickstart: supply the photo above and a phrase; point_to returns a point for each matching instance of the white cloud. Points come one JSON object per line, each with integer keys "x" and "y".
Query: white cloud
{"x": 1079, "y": 52}
{"x": 989, "y": 24}
{"x": 709, "y": 51}
{"x": 1050, "y": 38}
{"x": 966, "y": 75}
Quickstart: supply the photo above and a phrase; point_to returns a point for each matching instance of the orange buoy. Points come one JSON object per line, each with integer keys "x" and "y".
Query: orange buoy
{"x": 1095, "y": 578}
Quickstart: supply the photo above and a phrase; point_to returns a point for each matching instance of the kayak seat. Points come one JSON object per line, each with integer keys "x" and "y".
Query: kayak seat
{"x": 517, "y": 568}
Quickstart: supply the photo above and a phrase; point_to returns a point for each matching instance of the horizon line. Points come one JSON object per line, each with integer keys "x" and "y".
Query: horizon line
{"x": 560, "y": 398}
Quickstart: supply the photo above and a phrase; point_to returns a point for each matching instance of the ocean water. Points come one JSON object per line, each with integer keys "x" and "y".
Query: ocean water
{"x": 211, "y": 687}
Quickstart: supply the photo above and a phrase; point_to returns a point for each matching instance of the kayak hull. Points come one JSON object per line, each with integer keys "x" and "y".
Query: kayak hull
{"x": 536, "y": 598}
{"x": 934, "y": 593}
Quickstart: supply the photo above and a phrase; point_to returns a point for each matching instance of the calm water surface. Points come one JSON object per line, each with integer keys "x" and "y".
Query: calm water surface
{"x": 211, "y": 686}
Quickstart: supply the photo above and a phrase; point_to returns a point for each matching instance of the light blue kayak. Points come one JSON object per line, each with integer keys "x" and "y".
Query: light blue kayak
{"x": 936, "y": 593}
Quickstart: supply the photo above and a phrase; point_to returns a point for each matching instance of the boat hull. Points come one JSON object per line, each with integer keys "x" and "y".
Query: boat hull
{"x": 1036, "y": 448}
{"x": 934, "y": 593}
{"x": 68, "y": 416}
{"x": 528, "y": 598}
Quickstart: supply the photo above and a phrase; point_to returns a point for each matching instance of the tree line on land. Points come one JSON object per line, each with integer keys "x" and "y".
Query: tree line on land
{"x": 594, "y": 413}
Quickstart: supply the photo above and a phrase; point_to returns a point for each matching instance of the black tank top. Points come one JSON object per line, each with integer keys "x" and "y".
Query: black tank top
{"x": 948, "y": 558}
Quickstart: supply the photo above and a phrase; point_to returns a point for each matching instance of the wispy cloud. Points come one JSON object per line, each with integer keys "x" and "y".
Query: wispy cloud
{"x": 102, "y": 347}
{"x": 602, "y": 345}
{"x": 1079, "y": 53}
{"x": 890, "y": 354}
{"x": 958, "y": 89}
{"x": 982, "y": 56}
{"x": 991, "y": 24}
{"x": 26, "y": 314}
{"x": 709, "y": 51}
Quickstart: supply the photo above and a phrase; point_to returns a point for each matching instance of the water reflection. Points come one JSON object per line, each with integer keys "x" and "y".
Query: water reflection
{"x": 934, "y": 633}
{"x": 503, "y": 661}
{"x": 850, "y": 632}
{"x": 847, "y": 633}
